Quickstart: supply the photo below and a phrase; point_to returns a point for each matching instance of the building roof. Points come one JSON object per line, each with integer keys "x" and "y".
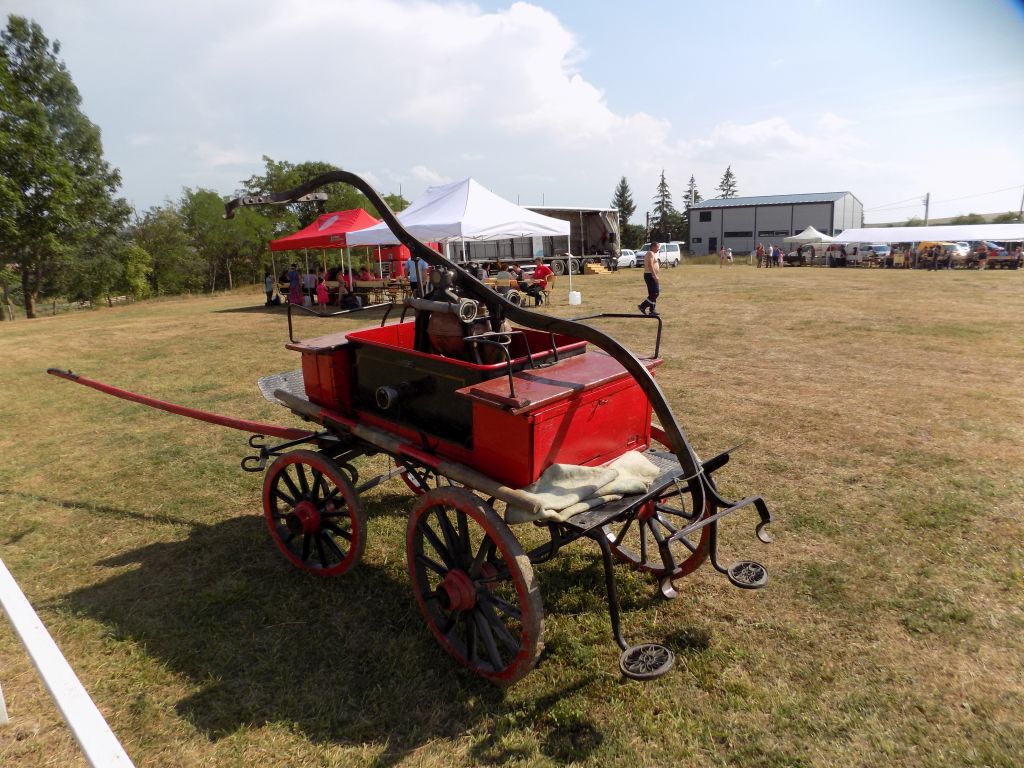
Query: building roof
{"x": 807, "y": 197}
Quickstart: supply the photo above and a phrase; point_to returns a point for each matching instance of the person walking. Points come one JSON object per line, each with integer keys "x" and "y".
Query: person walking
{"x": 268, "y": 287}
{"x": 721, "y": 257}
{"x": 760, "y": 254}
{"x": 652, "y": 267}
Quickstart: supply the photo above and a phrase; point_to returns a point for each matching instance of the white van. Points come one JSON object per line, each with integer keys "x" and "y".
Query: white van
{"x": 858, "y": 253}
{"x": 669, "y": 255}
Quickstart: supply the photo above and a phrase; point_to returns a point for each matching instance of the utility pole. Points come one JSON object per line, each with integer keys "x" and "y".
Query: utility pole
{"x": 1020, "y": 213}
{"x": 927, "y": 199}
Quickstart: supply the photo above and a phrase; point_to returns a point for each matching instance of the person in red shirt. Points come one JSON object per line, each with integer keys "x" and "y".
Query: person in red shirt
{"x": 541, "y": 273}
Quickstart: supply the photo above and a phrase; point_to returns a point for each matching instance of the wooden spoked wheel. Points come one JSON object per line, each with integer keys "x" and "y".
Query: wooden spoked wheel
{"x": 313, "y": 513}
{"x": 474, "y": 585}
{"x": 641, "y": 539}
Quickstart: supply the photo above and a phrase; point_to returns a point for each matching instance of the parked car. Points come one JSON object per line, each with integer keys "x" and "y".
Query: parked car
{"x": 868, "y": 253}
{"x": 996, "y": 256}
{"x": 949, "y": 254}
{"x": 669, "y": 255}
{"x": 627, "y": 258}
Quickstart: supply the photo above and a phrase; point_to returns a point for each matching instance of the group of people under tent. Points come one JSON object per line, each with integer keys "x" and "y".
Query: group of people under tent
{"x": 313, "y": 284}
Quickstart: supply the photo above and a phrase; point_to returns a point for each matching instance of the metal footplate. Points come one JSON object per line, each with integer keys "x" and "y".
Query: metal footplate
{"x": 290, "y": 381}
{"x": 670, "y": 473}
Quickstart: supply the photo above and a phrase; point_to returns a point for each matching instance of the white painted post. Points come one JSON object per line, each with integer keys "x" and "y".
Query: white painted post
{"x": 3, "y": 709}
{"x": 98, "y": 743}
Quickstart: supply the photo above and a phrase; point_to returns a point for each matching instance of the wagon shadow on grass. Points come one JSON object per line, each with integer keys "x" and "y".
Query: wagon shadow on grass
{"x": 344, "y": 660}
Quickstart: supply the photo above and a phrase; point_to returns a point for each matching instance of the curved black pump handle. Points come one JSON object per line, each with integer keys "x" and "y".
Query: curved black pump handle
{"x": 500, "y": 307}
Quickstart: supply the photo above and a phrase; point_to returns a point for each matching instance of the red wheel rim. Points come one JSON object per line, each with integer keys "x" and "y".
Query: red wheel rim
{"x": 474, "y": 586}
{"x": 313, "y": 513}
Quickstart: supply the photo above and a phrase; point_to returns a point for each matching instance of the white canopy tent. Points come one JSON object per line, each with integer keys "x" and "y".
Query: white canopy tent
{"x": 463, "y": 210}
{"x": 809, "y": 235}
{"x": 952, "y": 233}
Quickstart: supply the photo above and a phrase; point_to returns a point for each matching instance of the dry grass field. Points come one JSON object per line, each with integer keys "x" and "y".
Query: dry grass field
{"x": 884, "y": 414}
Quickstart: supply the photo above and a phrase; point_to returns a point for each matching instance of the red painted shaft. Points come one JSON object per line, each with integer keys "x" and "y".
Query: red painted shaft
{"x": 255, "y": 427}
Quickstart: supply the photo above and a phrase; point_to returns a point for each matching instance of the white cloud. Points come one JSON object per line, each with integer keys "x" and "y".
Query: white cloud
{"x": 212, "y": 156}
{"x": 428, "y": 176}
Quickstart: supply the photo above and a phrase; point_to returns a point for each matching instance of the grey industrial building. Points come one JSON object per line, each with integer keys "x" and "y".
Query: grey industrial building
{"x": 741, "y": 223}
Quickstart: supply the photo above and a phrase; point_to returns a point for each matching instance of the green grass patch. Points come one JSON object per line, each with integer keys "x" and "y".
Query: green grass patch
{"x": 883, "y": 414}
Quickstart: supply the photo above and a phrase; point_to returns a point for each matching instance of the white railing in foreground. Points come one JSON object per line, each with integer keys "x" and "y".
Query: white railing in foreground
{"x": 97, "y": 741}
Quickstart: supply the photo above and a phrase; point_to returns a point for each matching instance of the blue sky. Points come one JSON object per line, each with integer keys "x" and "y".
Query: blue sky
{"x": 554, "y": 101}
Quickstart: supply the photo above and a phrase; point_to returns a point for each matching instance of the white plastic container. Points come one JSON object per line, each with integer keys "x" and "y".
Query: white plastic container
{"x": 575, "y": 297}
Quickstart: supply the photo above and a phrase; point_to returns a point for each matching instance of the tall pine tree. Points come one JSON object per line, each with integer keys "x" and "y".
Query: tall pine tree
{"x": 622, "y": 200}
{"x": 666, "y": 222}
{"x": 727, "y": 186}
{"x": 53, "y": 162}
{"x": 693, "y": 197}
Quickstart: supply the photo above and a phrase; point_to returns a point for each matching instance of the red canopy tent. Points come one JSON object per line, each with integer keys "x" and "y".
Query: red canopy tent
{"x": 328, "y": 231}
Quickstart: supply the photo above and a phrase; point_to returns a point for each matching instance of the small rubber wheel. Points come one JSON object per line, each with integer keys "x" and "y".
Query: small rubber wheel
{"x": 646, "y": 661}
{"x": 638, "y": 539}
{"x": 313, "y": 513}
{"x": 747, "y": 574}
{"x": 474, "y": 585}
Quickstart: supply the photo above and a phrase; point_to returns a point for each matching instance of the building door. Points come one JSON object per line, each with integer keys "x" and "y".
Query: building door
{"x": 712, "y": 245}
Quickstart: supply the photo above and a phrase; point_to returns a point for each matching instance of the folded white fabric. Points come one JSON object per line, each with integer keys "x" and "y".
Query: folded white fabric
{"x": 565, "y": 490}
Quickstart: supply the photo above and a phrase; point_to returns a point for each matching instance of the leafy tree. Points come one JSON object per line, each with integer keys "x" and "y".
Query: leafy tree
{"x": 968, "y": 218}
{"x": 176, "y": 265}
{"x": 1007, "y": 218}
{"x": 914, "y": 221}
{"x": 727, "y": 186}
{"x": 666, "y": 221}
{"x": 225, "y": 245}
{"x": 7, "y": 279}
{"x": 395, "y": 202}
{"x": 632, "y": 235}
{"x": 622, "y": 200}
{"x": 111, "y": 266}
{"x": 52, "y": 162}
{"x": 280, "y": 176}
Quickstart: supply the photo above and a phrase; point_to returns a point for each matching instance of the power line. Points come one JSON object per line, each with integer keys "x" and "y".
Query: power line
{"x": 896, "y": 207}
{"x": 886, "y": 205}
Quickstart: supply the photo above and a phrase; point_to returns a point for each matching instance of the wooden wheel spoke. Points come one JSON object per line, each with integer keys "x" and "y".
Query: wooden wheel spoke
{"x": 320, "y": 552}
{"x": 300, "y": 470}
{"x": 450, "y": 536}
{"x": 643, "y": 540}
{"x": 664, "y": 508}
{"x": 306, "y": 541}
{"x": 498, "y": 626}
{"x": 487, "y": 635}
{"x": 665, "y": 524}
{"x": 435, "y": 542}
{"x": 431, "y": 564}
{"x": 471, "y": 636}
{"x": 286, "y": 478}
{"x": 622, "y": 534}
{"x": 333, "y": 545}
{"x": 464, "y": 543}
{"x": 502, "y": 605}
{"x": 339, "y": 531}
{"x": 486, "y": 550}
{"x": 278, "y": 494}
